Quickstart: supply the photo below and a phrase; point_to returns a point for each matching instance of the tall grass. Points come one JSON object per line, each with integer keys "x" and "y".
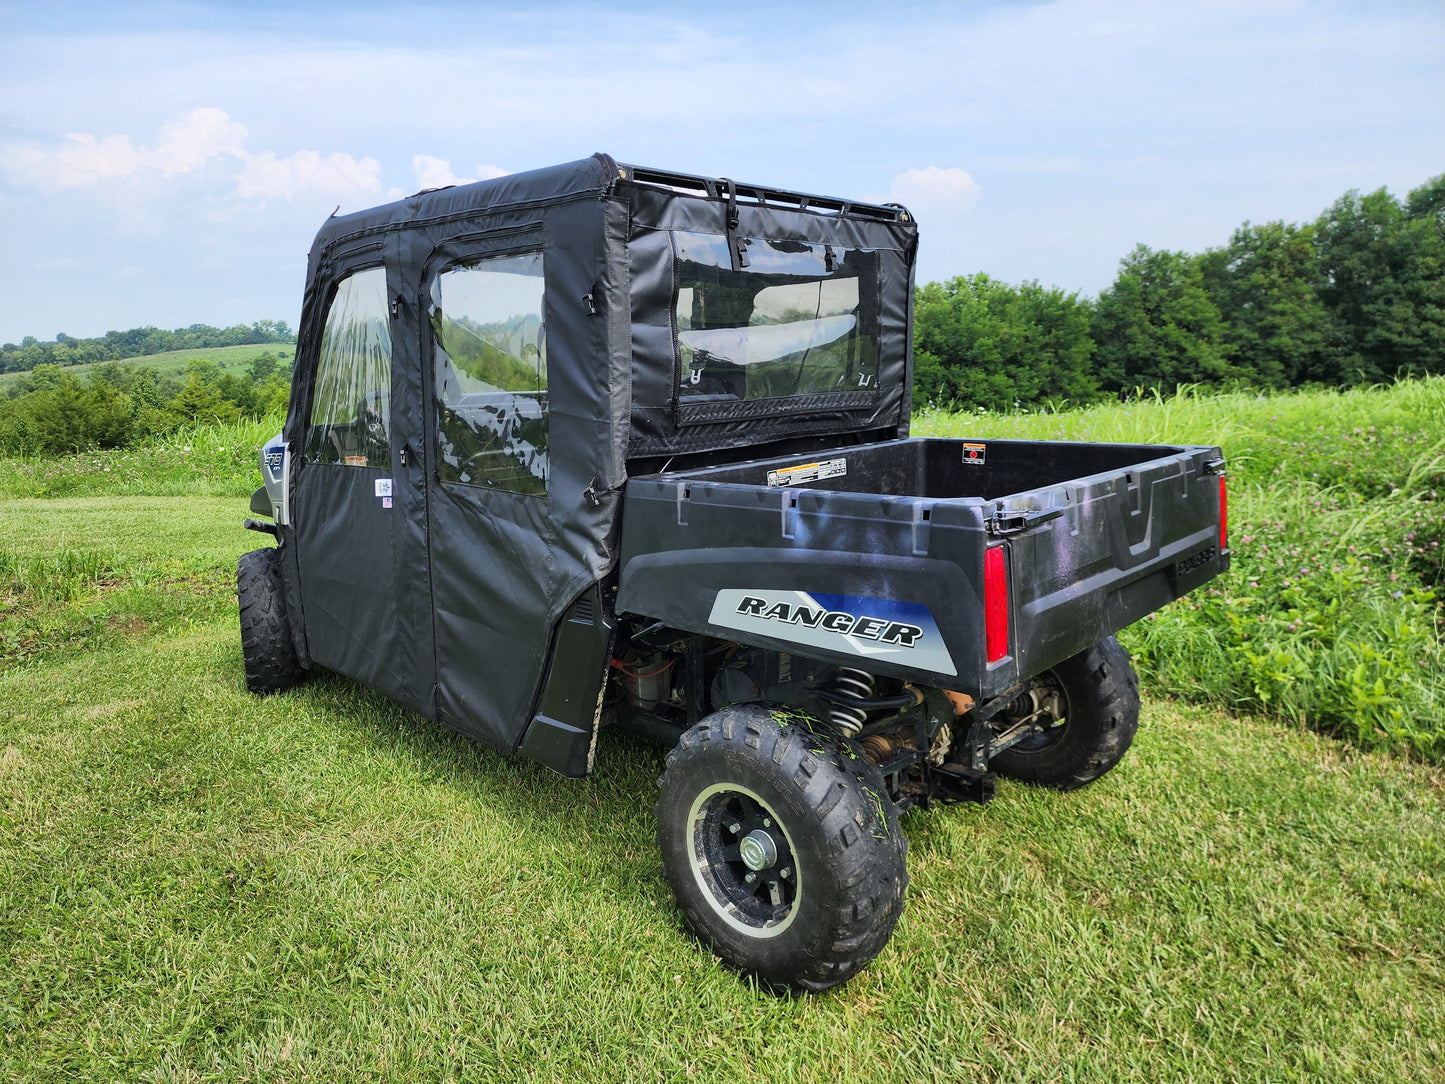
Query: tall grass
{"x": 1331, "y": 616}
{"x": 199, "y": 460}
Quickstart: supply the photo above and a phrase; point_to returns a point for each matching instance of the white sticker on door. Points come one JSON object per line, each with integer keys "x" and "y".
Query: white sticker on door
{"x": 383, "y": 487}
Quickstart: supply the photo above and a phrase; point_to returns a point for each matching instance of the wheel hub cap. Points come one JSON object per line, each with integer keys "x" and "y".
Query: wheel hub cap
{"x": 757, "y": 849}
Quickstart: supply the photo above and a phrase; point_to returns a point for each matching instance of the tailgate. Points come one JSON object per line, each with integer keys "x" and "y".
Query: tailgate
{"x": 1119, "y": 545}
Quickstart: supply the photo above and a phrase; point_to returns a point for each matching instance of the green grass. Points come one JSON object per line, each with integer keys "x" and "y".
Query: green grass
{"x": 231, "y": 359}
{"x": 80, "y": 573}
{"x": 206, "y": 460}
{"x": 197, "y": 884}
{"x": 1331, "y": 616}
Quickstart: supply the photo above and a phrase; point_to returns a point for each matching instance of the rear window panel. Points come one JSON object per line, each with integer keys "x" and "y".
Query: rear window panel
{"x": 800, "y": 319}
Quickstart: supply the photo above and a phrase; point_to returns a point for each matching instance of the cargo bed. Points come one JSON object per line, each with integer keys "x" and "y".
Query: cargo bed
{"x": 769, "y": 552}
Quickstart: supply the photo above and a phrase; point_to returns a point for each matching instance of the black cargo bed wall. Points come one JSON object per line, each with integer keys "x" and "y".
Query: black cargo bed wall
{"x": 941, "y": 469}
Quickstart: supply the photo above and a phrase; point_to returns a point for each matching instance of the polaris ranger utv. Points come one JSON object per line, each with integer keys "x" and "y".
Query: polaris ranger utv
{"x": 600, "y": 443}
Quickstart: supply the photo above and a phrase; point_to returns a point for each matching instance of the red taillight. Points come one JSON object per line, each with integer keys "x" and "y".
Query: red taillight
{"x": 995, "y": 604}
{"x": 1223, "y": 517}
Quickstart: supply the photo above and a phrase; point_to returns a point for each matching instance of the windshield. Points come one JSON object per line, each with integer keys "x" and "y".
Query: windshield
{"x": 799, "y": 319}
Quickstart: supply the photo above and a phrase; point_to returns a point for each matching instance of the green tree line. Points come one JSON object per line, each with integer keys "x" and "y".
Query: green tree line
{"x": 1357, "y": 296}
{"x": 57, "y": 412}
{"x": 137, "y": 342}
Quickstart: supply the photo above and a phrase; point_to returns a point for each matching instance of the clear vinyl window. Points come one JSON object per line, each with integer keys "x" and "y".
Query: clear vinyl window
{"x": 491, "y": 373}
{"x": 350, "y": 418}
{"x": 799, "y": 319}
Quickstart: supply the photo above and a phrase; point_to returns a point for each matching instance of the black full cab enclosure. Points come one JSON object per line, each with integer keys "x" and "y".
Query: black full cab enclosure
{"x": 479, "y": 369}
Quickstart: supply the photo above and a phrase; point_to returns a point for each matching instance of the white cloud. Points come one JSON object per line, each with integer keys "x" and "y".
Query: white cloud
{"x": 80, "y": 162}
{"x": 935, "y": 187}
{"x": 195, "y": 138}
{"x": 185, "y": 146}
{"x": 266, "y": 176}
{"x": 435, "y": 172}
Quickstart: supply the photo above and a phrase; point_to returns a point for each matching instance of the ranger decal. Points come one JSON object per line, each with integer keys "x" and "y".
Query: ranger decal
{"x": 903, "y": 633}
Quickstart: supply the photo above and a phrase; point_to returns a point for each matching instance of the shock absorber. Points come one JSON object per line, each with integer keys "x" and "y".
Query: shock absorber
{"x": 852, "y": 684}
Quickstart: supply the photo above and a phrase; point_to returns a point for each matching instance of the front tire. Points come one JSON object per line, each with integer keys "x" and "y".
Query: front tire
{"x": 1090, "y": 705}
{"x": 783, "y": 849}
{"x": 266, "y": 646}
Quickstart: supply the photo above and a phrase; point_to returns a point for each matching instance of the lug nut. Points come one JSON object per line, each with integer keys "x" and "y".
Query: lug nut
{"x": 785, "y": 872}
{"x": 767, "y": 823}
{"x": 735, "y": 828}
{"x": 750, "y": 878}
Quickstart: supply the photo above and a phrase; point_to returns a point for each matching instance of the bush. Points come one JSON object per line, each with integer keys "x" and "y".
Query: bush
{"x": 1319, "y": 622}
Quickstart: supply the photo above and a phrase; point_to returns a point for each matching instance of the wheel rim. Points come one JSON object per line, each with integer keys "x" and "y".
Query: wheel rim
{"x": 742, "y": 858}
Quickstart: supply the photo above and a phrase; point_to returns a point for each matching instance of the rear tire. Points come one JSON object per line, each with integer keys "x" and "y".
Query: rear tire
{"x": 266, "y": 646}
{"x": 1100, "y": 715}
{"x": 753, "y": 792}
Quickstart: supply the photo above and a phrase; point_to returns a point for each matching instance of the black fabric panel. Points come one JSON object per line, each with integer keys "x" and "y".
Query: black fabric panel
{"x": 446, "y": 213}
{"x": 361, "y": 565}
{"x": 654, "y": 357}
{"x": 506, "y": 565}
{"x": 492, "y": 555}
{"x": 615, "y": 299}
{"x": 667, "y": 210}
{"x": 347, "y": 563}
{"x": 291, "y": 577}
{"x": 411, "y": 574}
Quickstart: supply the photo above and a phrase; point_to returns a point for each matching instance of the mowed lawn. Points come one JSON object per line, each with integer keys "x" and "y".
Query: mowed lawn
{"x": 196, "y": 884}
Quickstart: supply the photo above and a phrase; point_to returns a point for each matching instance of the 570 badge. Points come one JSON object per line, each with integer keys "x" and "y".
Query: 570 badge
{"x": 872, "y": 628}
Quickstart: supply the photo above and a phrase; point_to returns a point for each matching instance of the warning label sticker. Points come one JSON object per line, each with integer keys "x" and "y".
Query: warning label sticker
{"x": 808, "y": 472}
{"x": 973, "y": 453}
{"x": 383, "y": 487}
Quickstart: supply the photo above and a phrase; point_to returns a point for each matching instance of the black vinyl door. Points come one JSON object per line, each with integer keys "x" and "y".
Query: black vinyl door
{"x": 491, "y": 514}
{"x": 358, "y": 492}
{"x": 517, "y": 423}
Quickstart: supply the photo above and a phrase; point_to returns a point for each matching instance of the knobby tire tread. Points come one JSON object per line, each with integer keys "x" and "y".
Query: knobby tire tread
{"x": 869, "y": 866}
{"x": 1103, "y": 695}
{"x": 266, "y": 645}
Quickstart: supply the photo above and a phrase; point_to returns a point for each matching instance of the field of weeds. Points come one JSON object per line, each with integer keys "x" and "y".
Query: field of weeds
{"x": 1331, "y": 617}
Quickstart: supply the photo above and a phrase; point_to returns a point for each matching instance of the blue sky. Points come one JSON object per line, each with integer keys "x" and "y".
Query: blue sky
{"x": 169, "y": 164}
